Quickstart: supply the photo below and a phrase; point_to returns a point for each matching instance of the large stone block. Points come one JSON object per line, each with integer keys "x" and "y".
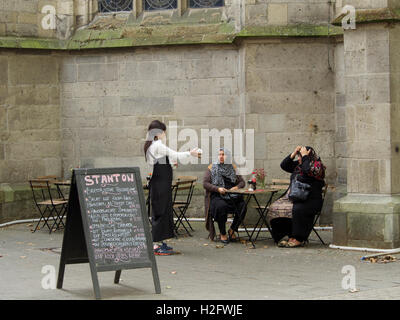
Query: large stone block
{"x": 24, "y": 117}
{"x": 31, "y": 69}
{"x": 97, "y": 72}
{"x": 295, "y": 56}
{"x": 146, "y": 105}
{"x": 367, "y": 221}
{"x": 311, "y": 13}
{"x": 33, "y": 150}
{"x": 256, "y": 14}
{"x": 81, "y": 107}
{"x": 307, "y": 102}
{"x": 207, "y": 105}
{"x": 32, "y": 94}
{"x": 278, "y": 13}
{"x": 27, "y": 18}
{"x": 68, "y": 73}
{"x": 214, "y": 86}
{"x": 304, "y": 80}
{"x": 147, "y": 70}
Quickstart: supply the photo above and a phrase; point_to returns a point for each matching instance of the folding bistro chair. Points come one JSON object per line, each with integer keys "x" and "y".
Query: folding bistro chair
{"x": 47, "y": 205}
{"x": 180, "y": 206}
{"x": 324, "y": 190}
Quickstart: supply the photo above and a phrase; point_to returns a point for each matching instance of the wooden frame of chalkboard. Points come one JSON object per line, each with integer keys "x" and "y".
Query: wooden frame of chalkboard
{"x": 107, "y": 224}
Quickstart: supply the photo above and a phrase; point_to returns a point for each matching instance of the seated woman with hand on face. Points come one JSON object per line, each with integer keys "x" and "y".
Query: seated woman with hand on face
{"x": 296, "y": 219}
{"x": 220, "y": 177}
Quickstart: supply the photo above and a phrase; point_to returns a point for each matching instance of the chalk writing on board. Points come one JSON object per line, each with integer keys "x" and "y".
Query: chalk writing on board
{"x": 115, "y": 223}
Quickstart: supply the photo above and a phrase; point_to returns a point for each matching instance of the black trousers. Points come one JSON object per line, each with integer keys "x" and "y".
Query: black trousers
{"x": 301, "y": 223}
{"x": 220, "y": 208}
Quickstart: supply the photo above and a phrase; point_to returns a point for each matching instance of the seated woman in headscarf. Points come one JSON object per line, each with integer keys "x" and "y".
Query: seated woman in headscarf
{"x": 218, "y": 178}
{"x": 296, "y": 220}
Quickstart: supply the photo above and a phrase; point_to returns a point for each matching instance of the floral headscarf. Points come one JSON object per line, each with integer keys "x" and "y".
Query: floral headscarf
{"x": 317, "y": 168}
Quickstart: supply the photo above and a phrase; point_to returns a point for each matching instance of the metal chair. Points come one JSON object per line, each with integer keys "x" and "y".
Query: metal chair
{"x": 186, "y": 184}
{"x": 324, "y": 190}
{"x": 48, "y": 206}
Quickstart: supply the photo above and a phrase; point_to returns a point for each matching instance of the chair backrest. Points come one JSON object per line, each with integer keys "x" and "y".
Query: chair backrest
{"x": 184, "y": 183}
{"x": 280, "y": 183}
{"x": 49, "y": 177}
{"x": 40, "y": 190}
{"x": 56, "y": 191}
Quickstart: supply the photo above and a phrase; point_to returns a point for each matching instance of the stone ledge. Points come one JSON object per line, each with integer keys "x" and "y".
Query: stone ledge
{"x": 291, "y": 31}
{"x": 368, "y": 204}
{"x": 139, "y": 36}
{"x": 372, "y": 16}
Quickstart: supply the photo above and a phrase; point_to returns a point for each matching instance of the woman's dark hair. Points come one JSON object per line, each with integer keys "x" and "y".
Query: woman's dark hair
{"x": 155, "y": 127}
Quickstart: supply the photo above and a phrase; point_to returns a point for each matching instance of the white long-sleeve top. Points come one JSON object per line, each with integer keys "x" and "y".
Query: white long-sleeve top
{"x": 158, "y": 150}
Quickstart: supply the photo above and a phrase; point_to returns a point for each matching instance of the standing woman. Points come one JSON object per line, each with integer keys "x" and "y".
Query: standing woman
{"x": 160, "y": 157}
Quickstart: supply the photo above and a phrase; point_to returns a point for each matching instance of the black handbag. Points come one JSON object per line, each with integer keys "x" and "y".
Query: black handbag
{"x": 299, "y": 191}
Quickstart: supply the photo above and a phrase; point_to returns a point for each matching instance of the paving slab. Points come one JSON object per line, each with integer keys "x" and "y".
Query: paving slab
{"x": 203, "y": 270}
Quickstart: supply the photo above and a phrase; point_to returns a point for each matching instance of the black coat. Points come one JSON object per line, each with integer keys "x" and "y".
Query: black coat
{"x": 316, "y": 185}
{"x": 304, "y": 212}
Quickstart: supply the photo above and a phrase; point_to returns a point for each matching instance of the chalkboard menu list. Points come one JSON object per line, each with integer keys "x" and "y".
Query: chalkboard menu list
{"x": 116, "y": 229}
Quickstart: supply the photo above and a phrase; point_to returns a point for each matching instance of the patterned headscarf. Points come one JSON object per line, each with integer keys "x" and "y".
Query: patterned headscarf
{"x": 317, "y": 168}
{"x": 219, "y": 171}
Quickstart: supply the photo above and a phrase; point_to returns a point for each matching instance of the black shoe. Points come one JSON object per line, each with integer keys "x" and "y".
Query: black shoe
{"x": 230, "y": 237}
{"x": 225, "y": 241}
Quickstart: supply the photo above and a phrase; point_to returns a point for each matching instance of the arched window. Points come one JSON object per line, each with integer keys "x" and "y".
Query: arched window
{"x": 206, "y": 3}
{"x": 160, "y": 4}
{"x": 115, "y": 5}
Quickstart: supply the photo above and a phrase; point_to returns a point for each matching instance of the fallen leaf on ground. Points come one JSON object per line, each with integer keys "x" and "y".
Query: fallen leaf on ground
{"x": 168, "y": 287}
{"x": 173, "y": 272}
{"x": 353, "y": 290}
{"x": 22, "y": 257}
{"x": 206, "y": 244}
{"x": 219, "y": 246}
{"x": 384, "y": 259}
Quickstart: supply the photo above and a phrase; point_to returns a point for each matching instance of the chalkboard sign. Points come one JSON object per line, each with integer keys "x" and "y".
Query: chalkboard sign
{"x": 107, "y": 224}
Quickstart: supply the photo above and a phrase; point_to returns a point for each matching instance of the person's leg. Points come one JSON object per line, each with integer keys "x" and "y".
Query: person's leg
{"x": 238, "y": 216}
{"x": 222, "y": 224}
{"x": 219, "y": 209}
{"x": 302, "y": 220}
{"x": 281, "y": 227}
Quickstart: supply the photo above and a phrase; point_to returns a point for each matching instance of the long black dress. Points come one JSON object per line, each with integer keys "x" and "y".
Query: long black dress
{"x": 221, "y": 206}
{"x": 303, "y": 212}
{"x": 161, "y": 200}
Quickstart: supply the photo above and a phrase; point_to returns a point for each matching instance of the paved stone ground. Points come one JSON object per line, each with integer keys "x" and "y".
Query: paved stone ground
{"x": 201, "y": 271}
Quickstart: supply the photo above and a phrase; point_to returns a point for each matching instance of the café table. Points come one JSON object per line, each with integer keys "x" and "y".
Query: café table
{"x": 61, "y": 183}
{"x": 261, "y": 209}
